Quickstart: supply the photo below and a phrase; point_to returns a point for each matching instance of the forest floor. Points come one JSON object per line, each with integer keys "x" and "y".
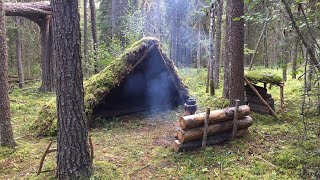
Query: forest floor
{"x": 138, "y": 146}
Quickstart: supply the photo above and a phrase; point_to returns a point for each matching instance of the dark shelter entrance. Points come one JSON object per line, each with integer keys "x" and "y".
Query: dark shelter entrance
{"x": 149, "y": 86}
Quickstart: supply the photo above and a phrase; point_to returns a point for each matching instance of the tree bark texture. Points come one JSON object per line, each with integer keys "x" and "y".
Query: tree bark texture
{"x": 294, "y": 59}
{"x": 6, "y": 134}
{"x": 211, "y": 50}
{"x": 94, "y": 34}
{"x": 47, "y": 62}
{"x": 73, "y": 158}
{"x": 265, "y": 37}
{"x": 199, "y": 47}
{"x": 40, "y": 13}
{"x": 226, "y": 62}
{"x": 218, "y": 44}
{"x": 85, "y": 37}
{"x": 34, "y": 11}
{"x": 19, "y": 52}
{"x": 236, "y": 50}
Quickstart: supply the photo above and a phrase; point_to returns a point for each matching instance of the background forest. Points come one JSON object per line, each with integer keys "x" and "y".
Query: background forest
{"x": 281, "y": 38}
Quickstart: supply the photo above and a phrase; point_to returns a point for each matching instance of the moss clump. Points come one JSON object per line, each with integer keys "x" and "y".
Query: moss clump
{"x": 46, "y": 123}
{"x": 262, "y": 76}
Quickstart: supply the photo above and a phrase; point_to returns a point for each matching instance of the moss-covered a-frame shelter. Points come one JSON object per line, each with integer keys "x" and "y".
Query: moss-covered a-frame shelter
{"x": 141, "y": 79}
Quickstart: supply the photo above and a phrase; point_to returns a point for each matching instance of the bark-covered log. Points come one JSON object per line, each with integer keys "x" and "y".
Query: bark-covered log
{"x": 197, "y": 133}
{"x": 30, "y": 10}
{"x": 197, "y": 120}
{"x": 212, "y": 140}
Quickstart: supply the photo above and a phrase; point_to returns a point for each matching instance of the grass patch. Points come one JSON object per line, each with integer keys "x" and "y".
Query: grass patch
{"x": 137, "y": 146}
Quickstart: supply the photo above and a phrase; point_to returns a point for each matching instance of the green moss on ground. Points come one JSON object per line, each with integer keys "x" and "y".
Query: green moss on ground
{"x": 137, "y": 146}
{"x": 263, "y": 76}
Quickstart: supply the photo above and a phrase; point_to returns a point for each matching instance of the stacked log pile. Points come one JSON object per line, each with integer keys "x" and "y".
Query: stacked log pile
{"x": 255, "y": 104}
{"x": 220, "y": 126}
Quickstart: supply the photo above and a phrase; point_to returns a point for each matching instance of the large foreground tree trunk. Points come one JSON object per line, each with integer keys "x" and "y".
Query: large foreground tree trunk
{"x": 6, "y": 134}
{"x": 236, "y": 50}
{"x": 73, "y": 159}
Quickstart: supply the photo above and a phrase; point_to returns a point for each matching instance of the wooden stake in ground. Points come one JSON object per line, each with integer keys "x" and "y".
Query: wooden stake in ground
{"x": 260, "y": 97}
{"x": 43, "y": 157}
{"x": 235, "y": 119}
{"x": 205, "y": 131}
{"x": 281, "y": 97}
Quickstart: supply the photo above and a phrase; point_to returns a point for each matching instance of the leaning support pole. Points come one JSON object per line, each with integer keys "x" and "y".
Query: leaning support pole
{"x": 260, "y": 97}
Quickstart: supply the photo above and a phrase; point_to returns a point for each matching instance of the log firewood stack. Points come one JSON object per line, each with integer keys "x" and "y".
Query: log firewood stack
{"x": 255, "y": 103}
{"x": 190, "y": 133}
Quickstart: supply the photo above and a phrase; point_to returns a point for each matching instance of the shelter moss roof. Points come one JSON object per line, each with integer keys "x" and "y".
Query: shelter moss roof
{"x": 256, "y": 76}
{"x": 97, "y": 86}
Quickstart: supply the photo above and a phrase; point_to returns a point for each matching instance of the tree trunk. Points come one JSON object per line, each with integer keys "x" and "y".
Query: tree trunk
{"x": 218, "y": 44}
{"x": 6, "y": 134}
{"x": 294, "y": 60}
{"x": 199, "y": 47}
{"x": 265, "y": 37}
{"x": 307, "y": 45}
{"x": 94, "y": 34}
{"x": 85, "y": 37}
{"x": 118, "y": 10}
{"x": 19, "y": 53}
{"x": 211, "y": 50}
{"x": 226, "y": 62}
{"x": 47, "y": 61}
{"x": 73, "y": 158}
{"x": 236, "y": 49}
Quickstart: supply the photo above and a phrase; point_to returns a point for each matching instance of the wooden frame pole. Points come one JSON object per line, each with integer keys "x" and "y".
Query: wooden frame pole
{"x": 234, "y": 130}
{"x": 205, "y": 132}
